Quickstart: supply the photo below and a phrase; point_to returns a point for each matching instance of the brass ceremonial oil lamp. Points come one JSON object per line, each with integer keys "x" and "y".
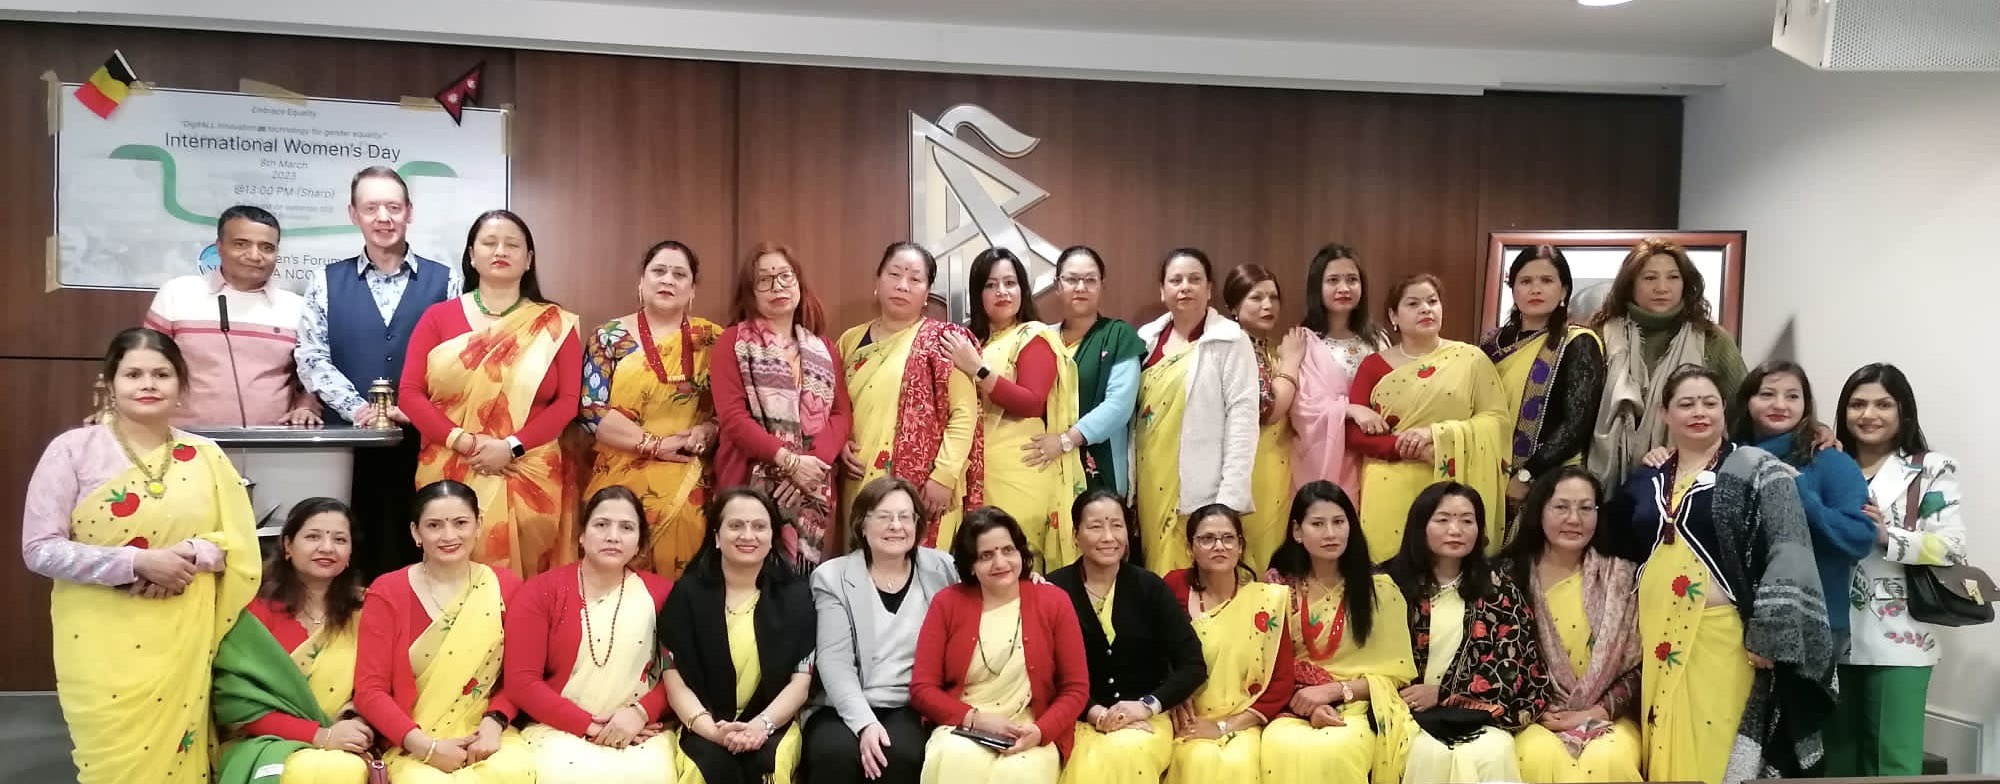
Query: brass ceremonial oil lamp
{"x": 381, "y": 395}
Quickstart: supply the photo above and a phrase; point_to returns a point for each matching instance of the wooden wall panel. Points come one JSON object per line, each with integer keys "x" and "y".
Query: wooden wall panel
{"x": 73, "y": 323}
{"x": 42, "y": 397}
{"x": 613, "y": 154}
{"x": 1265, "y": 176}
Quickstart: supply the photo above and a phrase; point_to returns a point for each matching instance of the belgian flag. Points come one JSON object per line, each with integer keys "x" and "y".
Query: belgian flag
{"x": 108, "y": 87}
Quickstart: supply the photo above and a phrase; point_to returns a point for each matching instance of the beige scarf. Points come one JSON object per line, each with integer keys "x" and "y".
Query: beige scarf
{"x": 1628, "y": 418}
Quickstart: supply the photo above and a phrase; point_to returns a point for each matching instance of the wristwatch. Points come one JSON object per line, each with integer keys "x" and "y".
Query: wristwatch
{"x": 1152, "y": 703}
{"x": 984, "y": 371}
{"x": 1067, "y": 445}
{"x": 1523, "y": 476}
{"x": 514, "y": 444}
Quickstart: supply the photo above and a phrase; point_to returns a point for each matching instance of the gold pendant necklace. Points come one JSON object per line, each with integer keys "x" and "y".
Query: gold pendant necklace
{"x": 156, "y": 479}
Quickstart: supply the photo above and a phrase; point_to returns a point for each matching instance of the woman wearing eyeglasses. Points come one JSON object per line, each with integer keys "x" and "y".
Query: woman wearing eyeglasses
{"x": 1028, "y": 390}
{"x": 1587, "y": 625}
{"x": 871, "y": 604}
{"x": 1107, "y": 352}
{"x": 781, "y": 400}
{"x": 1218, "y": 733}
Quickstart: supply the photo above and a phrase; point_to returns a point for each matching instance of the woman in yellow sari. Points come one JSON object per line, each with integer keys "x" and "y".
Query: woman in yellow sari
{"x": 1446, "y": 413}
{"x": 1351, "y": 646}
{"x": 1218, "y": 734}
{"x": 1250, "y": 296}
{"x": 738, "y": 637}
{"x": 1551, "y": 370}
{"x": 1195, "y": 437}
{"x": 284, "y": 676}
{"x": 646, "y": 397}
{"x": 148, "y": 535}
{"x": 428, "y": 674}
{"x": 915, "y": 415}
{"x": 1586, "y": 620}
{"x": 1737, "y": 670}
{"x": 1029, "y": 390}
{"x": 497, "y": 384}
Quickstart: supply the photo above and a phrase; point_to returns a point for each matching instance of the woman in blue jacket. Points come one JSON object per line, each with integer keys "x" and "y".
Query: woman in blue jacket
{"x": 1773, "y": 411}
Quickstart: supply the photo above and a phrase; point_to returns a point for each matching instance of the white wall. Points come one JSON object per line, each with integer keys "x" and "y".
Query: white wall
{"x": 1872, "y": 203}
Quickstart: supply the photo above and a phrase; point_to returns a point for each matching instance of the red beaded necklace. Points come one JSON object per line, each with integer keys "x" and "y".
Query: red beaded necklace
{"x": 659, "y": 367}
{"x": 589, "y": 638}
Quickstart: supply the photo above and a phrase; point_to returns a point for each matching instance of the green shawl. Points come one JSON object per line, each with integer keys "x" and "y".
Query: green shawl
{"x": 1108, "y": 342}
{"x": 254, "y": 676}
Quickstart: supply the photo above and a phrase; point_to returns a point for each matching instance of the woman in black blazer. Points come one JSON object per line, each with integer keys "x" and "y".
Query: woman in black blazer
{"x": 739, "y": 605}
{"x": 1143, "y": 654}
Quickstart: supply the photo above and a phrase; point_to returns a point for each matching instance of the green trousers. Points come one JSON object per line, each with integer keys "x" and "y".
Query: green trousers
{"x": 1878, "y": 726}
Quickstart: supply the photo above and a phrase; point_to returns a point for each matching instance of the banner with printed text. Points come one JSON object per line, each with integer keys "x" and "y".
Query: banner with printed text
{"x": 137, "y": 194}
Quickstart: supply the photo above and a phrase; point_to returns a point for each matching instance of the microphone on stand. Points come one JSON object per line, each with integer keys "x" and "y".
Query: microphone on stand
{"x": 222, "y": 311}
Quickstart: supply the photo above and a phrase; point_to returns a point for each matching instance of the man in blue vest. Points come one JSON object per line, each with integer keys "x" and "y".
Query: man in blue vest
{"x": 358, "y": 317}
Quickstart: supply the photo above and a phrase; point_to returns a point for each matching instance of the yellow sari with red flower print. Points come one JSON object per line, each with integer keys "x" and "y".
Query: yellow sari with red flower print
{"x": 673, "y": 492}
{"x": 1455, "y": 392}
{"x": 486, "y": 380}
{"x": 1037, "y": 497}
{"x": 1695, "y": 674}
{"x": 457, "y": 666}
{"x": 133, "y": 674}
{"x": 1240, "y": 641}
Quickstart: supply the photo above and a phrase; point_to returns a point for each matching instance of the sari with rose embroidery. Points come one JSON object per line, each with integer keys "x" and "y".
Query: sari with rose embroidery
{"x": 1455, "y": 391}
{"x": 1249, "y": 656}
{"x": 133, "y": 674}
{"x": 486, "y": 381}
{"x": 1378, "y": 730}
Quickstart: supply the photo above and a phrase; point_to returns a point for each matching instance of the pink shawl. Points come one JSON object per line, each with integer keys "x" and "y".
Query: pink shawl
{"x": 1319, "y": 418}
{"x": 1610, "y": 603}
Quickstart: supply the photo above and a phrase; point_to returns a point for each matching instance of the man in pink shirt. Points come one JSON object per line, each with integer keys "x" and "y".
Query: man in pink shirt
{"x": 237, "y": 331}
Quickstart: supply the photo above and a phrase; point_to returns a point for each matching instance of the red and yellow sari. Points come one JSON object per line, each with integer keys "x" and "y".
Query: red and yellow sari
{"x": 486, "y": 380}
{"x": 664, "y": 391}
{"x": 916, "y": 417}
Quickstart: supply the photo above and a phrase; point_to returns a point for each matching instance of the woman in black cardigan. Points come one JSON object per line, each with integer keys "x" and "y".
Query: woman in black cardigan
{"x": 1144, "y": 657}
{"x": 739, "y": 609}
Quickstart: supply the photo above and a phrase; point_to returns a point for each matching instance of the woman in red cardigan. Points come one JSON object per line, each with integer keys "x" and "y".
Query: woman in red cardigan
{"x": 580, "y": 661}
{"x": 493, "y": 378}
{"x": 781, "y": 400}
{"x": 428, "y": 673}
{"x": 1000, "y": 664}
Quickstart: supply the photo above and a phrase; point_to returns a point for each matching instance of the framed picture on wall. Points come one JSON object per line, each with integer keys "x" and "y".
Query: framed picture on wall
{"x": 1594, "y": 257}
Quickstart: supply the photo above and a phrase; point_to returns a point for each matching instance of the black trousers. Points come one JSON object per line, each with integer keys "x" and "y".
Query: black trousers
{"x": 384, "y": 483}
{"x": 832, "y": 753}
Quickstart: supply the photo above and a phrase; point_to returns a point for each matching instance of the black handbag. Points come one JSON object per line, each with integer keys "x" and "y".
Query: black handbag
{"x": 1948, "y": 595}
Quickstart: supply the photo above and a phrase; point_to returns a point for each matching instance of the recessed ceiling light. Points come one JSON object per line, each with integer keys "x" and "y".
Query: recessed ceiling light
{"x": 1601, "y": 3}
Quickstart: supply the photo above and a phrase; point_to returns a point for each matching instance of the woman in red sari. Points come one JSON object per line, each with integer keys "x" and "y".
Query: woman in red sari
{"x": 915, "y": 415}
{"x": 781, "y": 400}
{"x": 500, "y": 376}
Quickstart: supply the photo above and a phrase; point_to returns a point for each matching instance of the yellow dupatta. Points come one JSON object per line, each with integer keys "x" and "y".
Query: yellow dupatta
{"x": 1385, "y": 661}
{"x": 673, "y": 492}
{"x": 327, "y": 659}
{"x": 875, "y": 386}
{"x": 1455, "y": 391}
{"x": 1156, "y": 463}
{"x": 132, "y": 674}
{"x": 485, "y": 381}
{"x": 1240, "y": 642}
{"x": 1010, "y": 482}
{"x": 457, "y": 664}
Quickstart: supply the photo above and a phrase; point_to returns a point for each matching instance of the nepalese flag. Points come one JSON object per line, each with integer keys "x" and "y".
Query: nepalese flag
{"x": 108, "y": 86}
{"x": 461, "y": 91}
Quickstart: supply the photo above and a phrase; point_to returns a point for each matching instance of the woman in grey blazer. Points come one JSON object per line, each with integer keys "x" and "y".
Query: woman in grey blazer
{"x": 871, "y": 603}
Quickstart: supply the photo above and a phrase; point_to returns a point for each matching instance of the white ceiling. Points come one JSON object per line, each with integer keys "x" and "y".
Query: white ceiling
{"x": 1687, "y": 28}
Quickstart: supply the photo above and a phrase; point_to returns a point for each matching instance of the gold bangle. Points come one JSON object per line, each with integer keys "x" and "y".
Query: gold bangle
{"x": 1288, "y": 377}
{"x": 427, "y": 752}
